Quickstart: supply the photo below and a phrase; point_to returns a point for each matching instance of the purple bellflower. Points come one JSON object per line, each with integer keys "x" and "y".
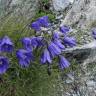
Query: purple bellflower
{"x": 6, "y": 45}
{"x": 45, "y": 58}
{"x": 24, "y": 57}
{"x": 39, "y": 41}
{"x": 64, "y": 29}
{"x": 36, "y": 26}
{"x": 70, "y": 41}
{"x": 54, "y": 49}
{"x": 4, "y": 64}
{"x": 27, "y": 43}
{"x": 63, "y": 62}
{"x": 44, "y": 21}
{"x": 36, "y": 41}
{"x": 59, "y": 44}
{"x": 55, "y": 35}
{"x": 94, "y": 33}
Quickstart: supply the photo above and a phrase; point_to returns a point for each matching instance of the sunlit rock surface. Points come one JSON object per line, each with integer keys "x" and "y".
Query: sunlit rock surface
{"x": 60, "y": 5}
{"x": 82, "y": 14}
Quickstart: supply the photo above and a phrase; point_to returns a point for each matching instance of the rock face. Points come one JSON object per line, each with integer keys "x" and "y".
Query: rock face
{"x": 60, "y": 5}
{"x": 17, "y": 11}
{"x": 81, "y": 14}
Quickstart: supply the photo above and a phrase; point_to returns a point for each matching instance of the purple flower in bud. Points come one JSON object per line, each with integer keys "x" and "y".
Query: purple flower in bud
{"x": 4, "y": 64}
{"x": 64, "y": 29}
{"x": 70, "y": 41}
{"x": 63, "y": 62}
{"x": 44, "y": 21}
{"x": 54, "y": 49}
{"x": 94, "y": 33}
{"x": 59, "y": 44}
{"x": 55, "y": 35}
{"x": 45, "y": 57}
{"x": 27, "y": 43}
{"x": 36, "y": 26}
{"x": 24, "y": 57}
{"x": 6, "y": 45}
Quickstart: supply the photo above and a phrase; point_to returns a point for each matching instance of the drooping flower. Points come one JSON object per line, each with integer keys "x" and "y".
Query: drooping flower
{"x": 59, "y": 44}
{"x": 40, "y": 41}
{"x": 64, "y": 29}
{"x": 6, "y": 45}
{"x": 45, "y": 58}
{"x": 94, "y": 33}
{"x": 27, "y": 43}
{"x": 24, "y": 57}
{"x": 54, "y": 49}
{"x": 4, "y": 64}
{"x": 55, "y": 35}
{"x": 36, "y": 41}
{"x": 36, "y": 26}
{"x": 70, "y": 41}
{"x": 44, "y": 21}
{"x": 63, "y": 62}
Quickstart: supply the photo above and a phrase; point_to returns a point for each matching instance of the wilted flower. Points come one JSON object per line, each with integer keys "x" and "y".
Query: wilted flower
{"x": 70, "y": 41}
{"x": 59, "y": 44}
{"x": 45, "y": 58}
{"x": 36, "y": 26}
{"x": 64, "y": 29}
{"x": 54, "y": 49}
{"x": 4, "y": 64}
{"x": 63, "y": 62}
{"x": 24, "y": 57}
{"x": 44, "y": 21}
{"x": 6, "y": 45}
{"x": 27, "y": 43}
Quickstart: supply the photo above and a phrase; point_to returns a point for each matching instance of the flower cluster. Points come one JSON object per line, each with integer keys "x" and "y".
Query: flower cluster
{"x": 51, "y": 45}
{"x": 6, "y": 46}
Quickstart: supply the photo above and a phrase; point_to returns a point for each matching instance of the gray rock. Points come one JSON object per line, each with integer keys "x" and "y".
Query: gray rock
{"x": 17, "y": 10}
{"x": 85, "y": 54}
{"x": 60, "y": 5}
{"x": 81, "y": 14}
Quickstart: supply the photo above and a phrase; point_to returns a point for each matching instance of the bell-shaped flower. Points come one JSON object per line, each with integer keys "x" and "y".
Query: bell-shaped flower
{"x": 64, "y": 29}
{"x": 6, "y": 44}
{"x": 44, "y": 21}
{"x": 36, "y": 41}
{"x": 59, "y": 44}
{"x": 54, "y": 49}
{"x": 24, "y": 57}
{"x": 36, "y": 26}
{"x": 27, "y": 43}
{"x": 56, "y": 35}
{"x": 4, "y": 64}
{"x": 70, "y": 41}
{"x": 45, "y": 57}
{"x": 63, "y": 62}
